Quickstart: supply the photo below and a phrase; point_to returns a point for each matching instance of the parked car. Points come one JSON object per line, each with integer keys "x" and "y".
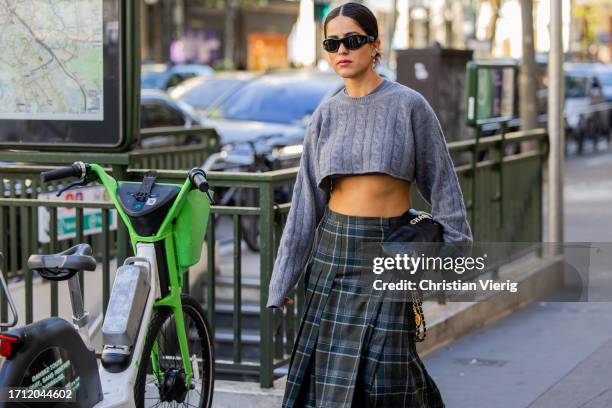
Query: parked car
{"x": 587, "y": 114}
{"x": 158, "y": 110}
{"x": 278, "y": 104}
{"x": 262, "y": 126}
{"x": 164, "y": 77}
{"x": 604, "y": 73}
{"x": 204, "y": 91}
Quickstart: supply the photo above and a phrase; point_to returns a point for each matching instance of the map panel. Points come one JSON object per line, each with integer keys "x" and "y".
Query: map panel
{"x": 51, "y": 60}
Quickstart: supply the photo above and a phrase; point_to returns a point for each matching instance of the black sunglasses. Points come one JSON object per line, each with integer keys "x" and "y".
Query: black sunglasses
{"x": 351, "y": 42}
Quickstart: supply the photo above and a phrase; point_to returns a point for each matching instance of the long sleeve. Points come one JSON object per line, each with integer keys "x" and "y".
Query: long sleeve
{"x": 435, "y": 174}
{"x": 307, "y": 208}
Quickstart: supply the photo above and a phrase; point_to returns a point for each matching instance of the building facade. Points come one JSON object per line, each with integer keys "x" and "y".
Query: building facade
{"x": 193, "y": 31}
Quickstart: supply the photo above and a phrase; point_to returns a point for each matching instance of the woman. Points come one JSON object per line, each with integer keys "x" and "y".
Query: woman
{"x": 363, "y": 150}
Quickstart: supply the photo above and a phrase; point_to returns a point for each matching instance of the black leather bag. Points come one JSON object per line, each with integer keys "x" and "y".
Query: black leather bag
{"x": 414, "y": 227}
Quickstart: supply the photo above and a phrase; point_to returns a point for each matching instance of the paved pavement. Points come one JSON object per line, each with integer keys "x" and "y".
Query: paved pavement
{"x": 550, "y": 354}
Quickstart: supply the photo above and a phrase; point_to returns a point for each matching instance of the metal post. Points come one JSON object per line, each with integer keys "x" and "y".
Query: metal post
{"x": 266, "y": 330}
{"x": 123, "y": 237}
{"x": 555, "y": 125}
{"x": 80, "y": 317}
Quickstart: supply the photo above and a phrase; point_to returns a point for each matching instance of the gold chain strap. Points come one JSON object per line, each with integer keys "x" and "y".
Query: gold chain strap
{"x": 419, "y": 317}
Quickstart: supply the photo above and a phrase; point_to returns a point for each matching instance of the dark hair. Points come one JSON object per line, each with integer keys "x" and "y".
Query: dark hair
{"x": 362, "y": 15}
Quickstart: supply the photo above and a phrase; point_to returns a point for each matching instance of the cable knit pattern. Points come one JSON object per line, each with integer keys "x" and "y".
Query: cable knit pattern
{"x": 392, "y": 130}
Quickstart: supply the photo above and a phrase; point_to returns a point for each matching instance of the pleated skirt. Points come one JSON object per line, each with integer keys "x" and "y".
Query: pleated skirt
{"x": 353, "y": 348}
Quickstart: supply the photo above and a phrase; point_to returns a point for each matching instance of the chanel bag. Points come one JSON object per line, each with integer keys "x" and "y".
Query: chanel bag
{"x": 415, "y": 226}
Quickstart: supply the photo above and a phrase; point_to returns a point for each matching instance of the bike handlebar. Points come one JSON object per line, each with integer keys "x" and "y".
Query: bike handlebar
{"x": 75, "y": 170}
{"x": 198, "y": 178}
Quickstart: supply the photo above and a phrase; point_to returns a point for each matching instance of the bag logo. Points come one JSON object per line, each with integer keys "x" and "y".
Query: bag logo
{"x": 419, "y": 218}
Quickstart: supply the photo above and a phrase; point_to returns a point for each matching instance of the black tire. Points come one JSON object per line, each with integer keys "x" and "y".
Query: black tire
{"x": 162, "y": 328}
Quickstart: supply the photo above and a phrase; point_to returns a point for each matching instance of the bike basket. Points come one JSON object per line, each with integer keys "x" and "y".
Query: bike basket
{"x": 190, "y": 229}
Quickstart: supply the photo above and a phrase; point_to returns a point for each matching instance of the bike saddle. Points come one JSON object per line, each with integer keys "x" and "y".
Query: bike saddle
{"x": 63, "y": 265}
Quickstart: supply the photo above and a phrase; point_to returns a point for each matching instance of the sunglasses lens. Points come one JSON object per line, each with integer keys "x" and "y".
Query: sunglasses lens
{"x": 331, "y": 45}
{"x": 353, "y": 42}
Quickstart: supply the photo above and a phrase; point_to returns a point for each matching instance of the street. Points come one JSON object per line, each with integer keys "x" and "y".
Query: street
{"x": 551, "y": 353}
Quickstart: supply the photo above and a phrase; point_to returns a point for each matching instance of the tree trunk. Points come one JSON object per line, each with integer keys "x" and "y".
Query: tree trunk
{"x": 495, "y": 5}
{"x": 448, "y": 24}
{"x": 527, "y": 81}
{"x": 391, "y": 33}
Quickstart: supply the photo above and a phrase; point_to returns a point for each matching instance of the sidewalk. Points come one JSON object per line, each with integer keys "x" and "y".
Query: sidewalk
{"x": 550, "y": 354}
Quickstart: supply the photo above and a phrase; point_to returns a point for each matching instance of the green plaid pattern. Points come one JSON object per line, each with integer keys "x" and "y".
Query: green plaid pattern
{"x": 352, "y": 349}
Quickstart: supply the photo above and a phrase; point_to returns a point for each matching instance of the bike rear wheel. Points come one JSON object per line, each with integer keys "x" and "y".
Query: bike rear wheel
{"x": 170, "y": 389}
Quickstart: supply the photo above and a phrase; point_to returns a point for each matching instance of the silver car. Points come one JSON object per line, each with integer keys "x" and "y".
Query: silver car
{"x": 277, "y": 106}
{"x": 587, "y": 113}
{"x": 205, "y": 91}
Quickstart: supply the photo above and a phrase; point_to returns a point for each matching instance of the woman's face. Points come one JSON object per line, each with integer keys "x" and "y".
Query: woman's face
{"x": 349, "y": 63}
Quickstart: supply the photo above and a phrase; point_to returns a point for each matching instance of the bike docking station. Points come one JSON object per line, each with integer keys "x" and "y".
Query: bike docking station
{"x": 156, "y": 342}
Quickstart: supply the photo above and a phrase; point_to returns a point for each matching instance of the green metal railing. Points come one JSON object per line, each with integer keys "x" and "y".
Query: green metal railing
{"x": 22, "y": 241}
{"x": 503, "y": 196}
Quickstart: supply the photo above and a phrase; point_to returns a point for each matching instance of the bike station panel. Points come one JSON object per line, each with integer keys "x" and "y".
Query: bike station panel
{"x": 64, "y": 75}
{"x": 492, "y": 91}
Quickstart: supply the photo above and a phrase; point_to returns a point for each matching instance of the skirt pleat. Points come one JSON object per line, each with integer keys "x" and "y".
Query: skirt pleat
{"x": 353, "y": 349}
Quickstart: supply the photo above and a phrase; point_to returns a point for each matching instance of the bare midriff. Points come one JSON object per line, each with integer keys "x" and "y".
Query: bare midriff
{"x": 370, "y": 195}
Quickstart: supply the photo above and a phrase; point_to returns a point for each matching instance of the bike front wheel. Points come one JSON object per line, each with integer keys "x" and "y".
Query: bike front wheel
{"x": 161, "y": 375}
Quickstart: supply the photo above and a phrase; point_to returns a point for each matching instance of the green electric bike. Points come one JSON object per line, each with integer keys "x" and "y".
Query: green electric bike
{"x": 158, "y": 348}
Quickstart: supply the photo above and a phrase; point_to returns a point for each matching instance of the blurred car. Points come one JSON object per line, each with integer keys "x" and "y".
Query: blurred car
{"x": 164, "y": 77}
{"x": 587, "y": 114}
{"x": 275, "y": 107}
{"x": 604, "y": 73}
{"x": 204, "y": 91}
{"x": 158, "y": 110}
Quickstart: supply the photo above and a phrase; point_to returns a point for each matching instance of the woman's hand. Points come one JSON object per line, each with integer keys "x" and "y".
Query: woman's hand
{"x": 288, "y": 301}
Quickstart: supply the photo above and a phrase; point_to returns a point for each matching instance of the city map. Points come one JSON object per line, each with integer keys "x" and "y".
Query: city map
{"x": 51, "y": 60}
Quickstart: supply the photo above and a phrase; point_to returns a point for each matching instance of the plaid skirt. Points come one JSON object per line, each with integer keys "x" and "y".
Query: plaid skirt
{"x": 354, "y": 349}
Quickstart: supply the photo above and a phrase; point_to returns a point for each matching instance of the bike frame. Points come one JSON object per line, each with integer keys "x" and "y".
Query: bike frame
{"x": 145, "y": 250}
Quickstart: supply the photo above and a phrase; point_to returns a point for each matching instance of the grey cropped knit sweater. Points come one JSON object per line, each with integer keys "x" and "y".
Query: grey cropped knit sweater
{"x": 392, "y": 130}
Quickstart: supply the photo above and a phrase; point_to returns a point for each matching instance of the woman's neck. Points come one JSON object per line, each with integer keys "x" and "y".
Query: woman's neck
{"x": 362, "y": 85}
